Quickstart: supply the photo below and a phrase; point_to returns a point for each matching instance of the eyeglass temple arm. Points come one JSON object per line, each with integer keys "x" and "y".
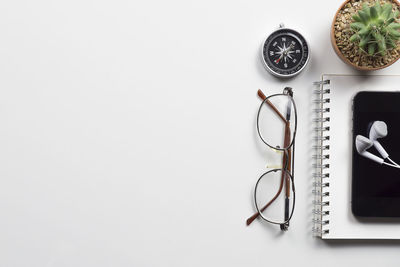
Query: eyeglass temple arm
{"x": 286, "y": 160}
{"x": 289, "y": 157}
{"x": 286, "y": 177}
{"x": 263, "y": 97}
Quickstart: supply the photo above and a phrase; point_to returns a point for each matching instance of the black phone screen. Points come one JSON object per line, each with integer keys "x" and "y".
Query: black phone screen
{"x": 376, "y": 187}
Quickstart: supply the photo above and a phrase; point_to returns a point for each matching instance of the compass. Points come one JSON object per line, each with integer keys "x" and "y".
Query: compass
{"x": 285, "y": 52}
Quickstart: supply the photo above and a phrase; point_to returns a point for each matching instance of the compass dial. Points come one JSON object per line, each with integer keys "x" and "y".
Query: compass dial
{"x": 285, "y": 53}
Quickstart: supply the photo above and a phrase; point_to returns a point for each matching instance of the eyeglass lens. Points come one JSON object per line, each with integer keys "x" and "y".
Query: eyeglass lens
{"x": 274, "y": 196}
{"x": 277, "y": 120}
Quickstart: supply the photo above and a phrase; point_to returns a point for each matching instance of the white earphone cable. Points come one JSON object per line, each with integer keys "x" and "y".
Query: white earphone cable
{"x": 391, "y": 165}
{"x": 392, "y": 161}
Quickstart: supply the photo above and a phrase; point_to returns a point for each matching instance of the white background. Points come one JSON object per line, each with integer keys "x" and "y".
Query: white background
{"x": 128, "y": 134}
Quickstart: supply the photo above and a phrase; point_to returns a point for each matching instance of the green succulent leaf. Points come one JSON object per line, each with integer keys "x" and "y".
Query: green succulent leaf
{"x": 373, "y": 12}
{"x": 366, "y": 9}
{"x": 394, "y": 26}
{"x": 364, "y": 41}
{"x": 393, "y": 32}
{"x": 357, "y": 26}
{"x": 365, "y": 30}
{"x": 378, "y": 7}
{"x": 382, "y": 47}
{"x": 354, "y": 37}
{"x": 371, "y": 49}
{"x": 380, "y": 40}
{"x": 386, "y": 10}
{"x": 377, "y": 36}
{"x": 364, "y": 17}
{"x": 391, "y": 43}
{"x": 357, "y": 18}
{"x": 390, "y": 20}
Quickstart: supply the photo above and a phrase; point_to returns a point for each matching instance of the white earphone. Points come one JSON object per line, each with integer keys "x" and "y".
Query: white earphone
{"x": 362, "y": 144}
{"x": 378, "y": 130}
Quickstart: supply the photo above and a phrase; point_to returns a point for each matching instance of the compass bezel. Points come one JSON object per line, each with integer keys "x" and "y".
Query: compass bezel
{"x": 305, "y": 47}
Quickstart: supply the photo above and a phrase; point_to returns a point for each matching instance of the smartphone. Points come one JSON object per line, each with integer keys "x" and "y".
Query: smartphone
{"x": 376, "y": 187}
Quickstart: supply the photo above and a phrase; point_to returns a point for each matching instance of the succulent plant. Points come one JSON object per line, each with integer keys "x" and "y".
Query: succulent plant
{"x": 375, "y": 28}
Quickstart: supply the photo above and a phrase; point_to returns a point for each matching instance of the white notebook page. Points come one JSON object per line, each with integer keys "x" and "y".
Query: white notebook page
{"x": 342, "y": 223}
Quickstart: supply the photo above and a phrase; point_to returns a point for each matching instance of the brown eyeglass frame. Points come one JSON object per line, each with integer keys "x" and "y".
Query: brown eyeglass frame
{"x": 287, "y": 162}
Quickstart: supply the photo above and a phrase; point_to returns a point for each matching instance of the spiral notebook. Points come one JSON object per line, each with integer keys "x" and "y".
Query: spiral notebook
{"x": 332, "y": 162}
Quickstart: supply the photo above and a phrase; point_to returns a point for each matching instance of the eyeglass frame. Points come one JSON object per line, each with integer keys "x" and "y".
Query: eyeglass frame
{"x": 288, "y": 158}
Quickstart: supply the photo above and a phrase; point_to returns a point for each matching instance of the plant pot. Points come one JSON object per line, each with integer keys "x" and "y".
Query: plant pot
{"x": 347, "y": 60}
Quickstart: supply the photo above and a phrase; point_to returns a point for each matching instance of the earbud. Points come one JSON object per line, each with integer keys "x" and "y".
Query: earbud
{"x": 362, "y": 144}
{"x": 378, "y": 130}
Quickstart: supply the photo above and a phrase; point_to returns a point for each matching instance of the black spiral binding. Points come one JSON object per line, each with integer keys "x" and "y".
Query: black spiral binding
{"x": 321, "y": 159}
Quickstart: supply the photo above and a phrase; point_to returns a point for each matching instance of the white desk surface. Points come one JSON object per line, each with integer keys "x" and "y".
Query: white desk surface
{"x": 128, "y": 134}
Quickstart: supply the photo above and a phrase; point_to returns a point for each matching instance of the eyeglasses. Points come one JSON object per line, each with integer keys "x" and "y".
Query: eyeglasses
{"x": 276, "y": 126}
